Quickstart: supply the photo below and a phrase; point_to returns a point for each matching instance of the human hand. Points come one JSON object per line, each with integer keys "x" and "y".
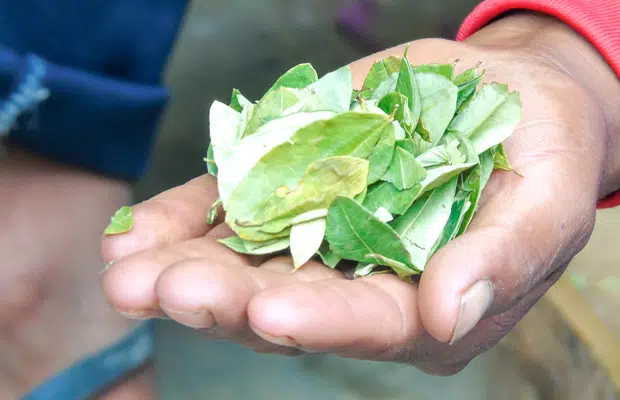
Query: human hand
{"x": 473, "y": 291}
{"x": 51, "y": 218}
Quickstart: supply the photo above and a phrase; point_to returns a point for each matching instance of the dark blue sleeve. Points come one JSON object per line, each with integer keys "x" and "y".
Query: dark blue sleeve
{"x": 80, "y": 81}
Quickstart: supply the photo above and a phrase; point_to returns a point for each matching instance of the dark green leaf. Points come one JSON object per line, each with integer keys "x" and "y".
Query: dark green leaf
{"x": 407, "y": 85}
{"x": 475, "y": 183}
{"x": 237, "y": 101}
{"x": 328, "y": 257}
{"x": 210, "y": 160}
{"x": 381, "y": 156}
{"x": 467, "y": 82}
{"x": 355, "y": 234}
{"x": 396, "y": 104}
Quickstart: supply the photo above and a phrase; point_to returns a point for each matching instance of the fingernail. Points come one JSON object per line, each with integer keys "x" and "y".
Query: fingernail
{"x": 141, "y": 314}
{"x": 201, "y": 319}
{"x": 285, "y": 341}
{"x": 108, "y": 265}
{"x": 474, "y": 305}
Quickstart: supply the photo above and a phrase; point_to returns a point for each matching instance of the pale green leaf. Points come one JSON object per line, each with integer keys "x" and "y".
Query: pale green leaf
{"x": 236, "y": 163}
{"x": 490, "y": 117}
{"x": 306, "y": 239}
{"x": 274, "y": 105}
{"x": 385, "y": 194}
{"x": 457, "y": 215}
{"x": 380, "y": 71}
{"x": 353, "y": 134}
{"x": 446, "y": 70}
{"x": 298, "y": 77}
{"x": 238, "y": 102}
{"x": 500, "y": 159}
{"x": 120, "y": 222}
{"x": 210, "y": 160}
{"x": 381, "y": 156}
{"x": 334, "y": 89}
{"x": 440, "y": 175}
{"x": 354, "y": 233}
{"x": 328, "y": 257}
{"x": 241, "y": 246}
{"x": 387, "y": 86}
{"x": 475, "y": 183}
{"x": 213, "y": 211}
{"x": 223, "y": 129}
{"x": 404, "y": 171}
{"x": 467, "y": 83}
{"x": 407, "y": 84}
{"x": 421, "y": 226}
{"x": 401, "y": 269}
{"x": 324, "y": 180}
{"x": 438, "y": 96}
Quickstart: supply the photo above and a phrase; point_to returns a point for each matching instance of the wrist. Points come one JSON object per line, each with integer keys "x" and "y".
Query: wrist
{"x": 551, "y": 40}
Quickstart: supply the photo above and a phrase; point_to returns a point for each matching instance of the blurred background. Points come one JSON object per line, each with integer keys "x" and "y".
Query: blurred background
{"x": 247, "y": 44}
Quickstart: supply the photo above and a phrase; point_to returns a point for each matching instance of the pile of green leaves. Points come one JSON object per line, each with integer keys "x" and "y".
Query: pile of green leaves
{"x": 383, "y": 176}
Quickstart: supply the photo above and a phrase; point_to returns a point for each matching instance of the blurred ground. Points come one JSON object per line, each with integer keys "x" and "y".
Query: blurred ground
{"x": 247, "y": 44}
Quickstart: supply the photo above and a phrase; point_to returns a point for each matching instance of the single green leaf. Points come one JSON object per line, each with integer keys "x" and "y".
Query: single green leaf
{"x": 404, "y": 171}
{"x": 353, "y": 233}
{"x": 238, "y": 161}
{"x": 298, "y": 77}
{"x": 438, "y": 96}
{"x": 366, "y": 269}
{"x": 467, "y": 83}
{"x": 500, "y": 159}
{"x": 349, "y": 133}
{"x": 401, "y": 269}
{"x": 438, "y": 176}
{"x": 446, "y": 70}
{"x": 490, "y": 117}
{"x": 334, "y": 89}
{"x": 210, "y": 160}
{"x": 385, "y": 194}
{"x": 241, "y": 246}
{"x": 381, "y": 156}
{"x": 237, "y": 101}
{"x": 396, "y": 104}
{"x": 328, "y": 257}
{"x": 407, "y": 84}
{"x": 306, "y": 239}
{"x": 421, "y": 226}
{"x": 466, "y": 151}
{"x": 443, "y": 155}
{"x": 457, "y": 215}
{"x": 380, "y": 71}
{"x": 120, "y": 222}
{"x": 213, "y": 211}
{"x": 324, "y": 180}
{"x": 387, "y": 86}
{"x": 408, "y": 145}
{"x": 223, "y": 129}
{"x": 475, "y": 183}
{"x": 274, "y": 105}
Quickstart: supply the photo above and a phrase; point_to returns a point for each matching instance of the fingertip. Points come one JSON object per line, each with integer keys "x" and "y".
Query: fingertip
{"x": 129, "y": 289}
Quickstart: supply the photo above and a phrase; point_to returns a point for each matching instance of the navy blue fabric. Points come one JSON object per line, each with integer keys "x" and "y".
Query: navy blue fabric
{"x": 103, "y": 61}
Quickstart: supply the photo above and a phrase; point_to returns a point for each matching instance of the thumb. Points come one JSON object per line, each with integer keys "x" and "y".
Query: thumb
{"x": 524, "y": 231}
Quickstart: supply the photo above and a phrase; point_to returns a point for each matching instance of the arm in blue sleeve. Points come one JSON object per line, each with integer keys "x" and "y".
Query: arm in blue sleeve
{"x": 80, "y": 81}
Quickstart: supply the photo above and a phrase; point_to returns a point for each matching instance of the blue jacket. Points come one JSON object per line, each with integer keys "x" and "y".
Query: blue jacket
{"x": 80, "y": 81}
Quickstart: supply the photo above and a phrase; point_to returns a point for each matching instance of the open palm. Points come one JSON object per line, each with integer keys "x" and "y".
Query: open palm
{"x": 473, "y": 291}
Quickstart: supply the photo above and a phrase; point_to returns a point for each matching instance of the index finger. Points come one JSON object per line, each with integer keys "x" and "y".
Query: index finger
{"x": 173, "y": 216}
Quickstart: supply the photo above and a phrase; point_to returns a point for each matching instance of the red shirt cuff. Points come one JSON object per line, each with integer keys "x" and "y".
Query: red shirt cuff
{"x": 597, "y": 21}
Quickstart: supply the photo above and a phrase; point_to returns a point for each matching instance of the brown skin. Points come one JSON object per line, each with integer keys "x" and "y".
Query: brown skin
{"x": 566, "y": 148}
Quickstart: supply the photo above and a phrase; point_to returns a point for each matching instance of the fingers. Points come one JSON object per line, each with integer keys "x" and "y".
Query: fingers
{"x": 373, "y": 317}
{"x": 173, "y": 216}
{"x": 129, "y": 284}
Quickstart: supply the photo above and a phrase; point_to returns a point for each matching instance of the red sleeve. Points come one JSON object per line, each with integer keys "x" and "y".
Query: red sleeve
{"x": 598, "y": 21}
